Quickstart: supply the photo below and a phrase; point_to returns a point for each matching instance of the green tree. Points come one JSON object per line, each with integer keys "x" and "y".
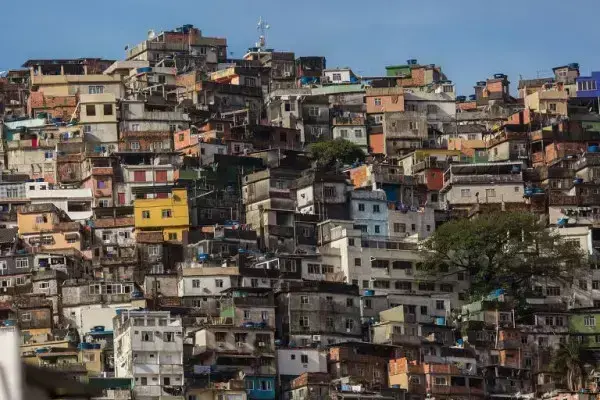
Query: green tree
{"x": 330, "y": 152}
{"x": 501, "y": 250}
{"x": 568, "y": 360}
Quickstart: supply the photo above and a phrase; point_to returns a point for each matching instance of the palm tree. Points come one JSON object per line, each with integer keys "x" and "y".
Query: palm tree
{"x": 568, "y": 360}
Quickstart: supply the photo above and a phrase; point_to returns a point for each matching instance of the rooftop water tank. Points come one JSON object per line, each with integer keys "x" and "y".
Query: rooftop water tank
{"x": 369, "y": 292}
{"x": 460, "y": 99}
{"x": 593, "y": 149}
{"x": 412, "y": 61}
{"x": 499, "y": 76}
{"x": 574, "y": 65}
{"x": 472, "y": 97}
{"x": 481, "y": 83}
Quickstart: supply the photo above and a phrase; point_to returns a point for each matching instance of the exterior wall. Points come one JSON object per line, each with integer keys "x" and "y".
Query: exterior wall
{"x": 135, "y": 117}
{"x": 375, "y": 213}
{"x": 507, "y": 151}
{"x": 504, "y": 193}
{"x": 61, "y": 198}
{"x": 402, "y": 224}
{"x": 69, "y": 85}
{"x": 289, "y": 361}
{"x": 377, "y": 143}
{"x": 101, "y": 126}
{"x": 355, "y": 134}
{"x": 380, "y": 100}
{"x": 205, "y": 285}
{"x": 179, "y": 221}
{"x": 345, "y": 75}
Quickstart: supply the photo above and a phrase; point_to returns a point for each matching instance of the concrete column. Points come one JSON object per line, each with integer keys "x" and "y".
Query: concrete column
{"x": 62, "y": 69}
{"x": 85, "y": 70}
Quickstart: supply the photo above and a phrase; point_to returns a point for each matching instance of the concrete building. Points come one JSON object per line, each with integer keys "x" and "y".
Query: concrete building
{"x": 338, "y": 76}
{"x": 468, "y": 184}
{"x": 169, "y": 215}
{"x": 352, "y": 129}
{"x": 385, "y": 265}
{"x": 149, "y": 349}
{"x": 313, "y": 313}
{"x": 369, "y": 211}
{"x": 323, "y": 194}
{"x": 98, "y": 118}
{"x": 45, "y": 227}
{"x": 76, "y": 203}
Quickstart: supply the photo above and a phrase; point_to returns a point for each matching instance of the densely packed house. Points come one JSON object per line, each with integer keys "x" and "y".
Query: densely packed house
{"x": 166, "y": 232}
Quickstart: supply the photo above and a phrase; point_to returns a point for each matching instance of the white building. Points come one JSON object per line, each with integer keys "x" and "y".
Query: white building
{"x": 339, "y": 75}
{"x": 149, "y": 349}
{"x": 384, "y": 265}
{"x": 200, "y": 279}
{"x": 419, "y": 222}
{"x": 296, "y": 361}
{"x": 368, "y": 210}
{"x": 98, "y": 118}
{"x": 77, "y": 203}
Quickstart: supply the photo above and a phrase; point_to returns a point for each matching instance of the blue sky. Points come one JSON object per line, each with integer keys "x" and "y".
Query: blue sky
{"x": 470, "y": 39}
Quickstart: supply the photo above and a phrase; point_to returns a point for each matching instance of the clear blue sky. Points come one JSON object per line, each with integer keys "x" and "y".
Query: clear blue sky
{"x": 470, "y": 39}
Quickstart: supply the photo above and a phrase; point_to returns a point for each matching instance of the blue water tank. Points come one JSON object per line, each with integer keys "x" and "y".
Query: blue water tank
{"x": 499, "y": 76}
{"x": 412, "y": 61}
{"x": 574, "y": 65}
{"x": 460, "y": 99}
{"x": 369, "y": 292}
{"x": 593, "y": 149}
{"x": 528, "y": 192}
{"x": 98, "y": 328}
{"x": 481, "y": 83}
{"x": 578, "y": 181}
{"x": 472, "y": 97}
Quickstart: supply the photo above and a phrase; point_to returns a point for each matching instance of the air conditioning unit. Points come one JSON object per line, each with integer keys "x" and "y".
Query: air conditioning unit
{"x": 316, "y": 338}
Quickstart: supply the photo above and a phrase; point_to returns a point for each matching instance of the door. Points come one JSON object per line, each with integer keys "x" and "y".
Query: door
{"x": 121, "y": 198}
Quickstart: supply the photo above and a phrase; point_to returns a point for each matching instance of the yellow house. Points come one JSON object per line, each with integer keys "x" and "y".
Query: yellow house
{"x": 167, "y": 215}
{"x": 548, "y": 102}
{"x": 46, "y": 227}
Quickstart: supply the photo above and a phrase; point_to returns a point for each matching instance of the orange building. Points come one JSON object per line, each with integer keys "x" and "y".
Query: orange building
{"x": 45, "y": 227}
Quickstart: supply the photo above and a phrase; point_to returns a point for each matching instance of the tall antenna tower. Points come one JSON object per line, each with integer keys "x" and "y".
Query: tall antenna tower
{"x": 262, "y": 27}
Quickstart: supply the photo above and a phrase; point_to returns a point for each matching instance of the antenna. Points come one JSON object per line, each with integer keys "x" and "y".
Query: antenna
{"x": 262, "y": 27}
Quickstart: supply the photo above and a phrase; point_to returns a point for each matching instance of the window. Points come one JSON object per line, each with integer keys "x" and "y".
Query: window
{"x": 266, "y": 385}
{"x": 596, "y": 285}
{"x": 329, "y": 322}
{"x": 336, "y": 77}
{"x": 314, "y": 269}
{"x": 465, "y": 192}
{"x": 423, "y": 310}
{"x": 250, "y": 82}
{"x": 329, "y": 191}
{"x": 313, "y": 111}
{"x": 399, "y": 228}
{"x": 349, "y": 302}
{"x": 139, "y": 176}
{"x": 43, "y": 285}
{"x": 147, "y": 336}
{"x": 377, "y": 101}
{"x": 167, "y": 213}
{"x": 349, "y": 324}
{"x": 357, "y": 262}
{"x": 376, "y": 208}
{"x": 377, "y": 229}
{"x": 412, "y": 125}
{"x": 583, "y": 284}
{"x": 303, "y": 299}
{"x": 249, "y": 385}
{"x": 552, "y": 106}
{"x": 219, "y": 283}
{"x": 403, "y": 285}
{"x": 344, "y": 133}
{"x": 95, "y": 89}
{"x": 145, "y": 214}
{"x": 358, "y": 133}
{"x": 90, "y": 110}
{"x": 446, "y": 287}
{"x": 303, "y": 322}
{"x": 378, "y": 119}
{"x": 327, "y": 269}
{"x": 460, "y": 276}
{"x": 169, "y": 337}
{"x": 440, "y": 380}
{"x": 589, "y": 320}
{"x": 195, "y": 283}
{"x": 490, "y": 192}
{"x": 20, "y": 280}
{"x": 26, "y": 316}
{"x": 160, "y": 176}
{"x": 553, "y": 291}
{"x": 361, "y": 207}
{"x": 108, "y": 109}
{"x": 304, "y": 358}
{"x": 22, "y": 263}
{"x": 439, "y": 305}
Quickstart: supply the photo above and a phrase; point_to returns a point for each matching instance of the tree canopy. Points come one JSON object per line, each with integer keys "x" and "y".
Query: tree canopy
{"x": 569, "y": 360}
{"x": 330, "y": 152}
{"x": 502, "y": 250}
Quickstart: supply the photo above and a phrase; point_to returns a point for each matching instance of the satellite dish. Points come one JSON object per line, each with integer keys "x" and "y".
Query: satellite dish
{"x": 151, "y": 34}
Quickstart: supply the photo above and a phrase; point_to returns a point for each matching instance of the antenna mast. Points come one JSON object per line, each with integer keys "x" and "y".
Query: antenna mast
{"x": 262, "y": 27}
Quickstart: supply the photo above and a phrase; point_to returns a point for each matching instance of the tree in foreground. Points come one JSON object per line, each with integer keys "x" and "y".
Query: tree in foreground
{"x": 502, "y": 250}
{"x": 568, "y": 360}
{"x": 328, "y": 153}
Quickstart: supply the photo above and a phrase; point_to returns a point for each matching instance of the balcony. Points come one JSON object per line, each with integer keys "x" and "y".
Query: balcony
{"x": 507, "y": 136}
{"x": 509, "y": 344}
{"x": 102, "y": 171}
{"x": 67, "y": 367}
{"x": 345, "y": 121}
{"x": 428, "y": 164}
{"x": 277, "y": 230}
{"x": 485, "y": 179}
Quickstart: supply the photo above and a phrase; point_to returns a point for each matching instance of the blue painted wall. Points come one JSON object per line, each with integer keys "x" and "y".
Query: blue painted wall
{"x": 589, "y": 93}
{"x": 255, "y": 385}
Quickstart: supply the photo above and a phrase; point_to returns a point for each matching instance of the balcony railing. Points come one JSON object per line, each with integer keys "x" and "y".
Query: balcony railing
{"x": 485, "y": 179}
{"x": 277, "y": 230}
{"x": 349, "y": 121}
{"x": 70, "y": 367}
{"x": 426, "y": 164}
